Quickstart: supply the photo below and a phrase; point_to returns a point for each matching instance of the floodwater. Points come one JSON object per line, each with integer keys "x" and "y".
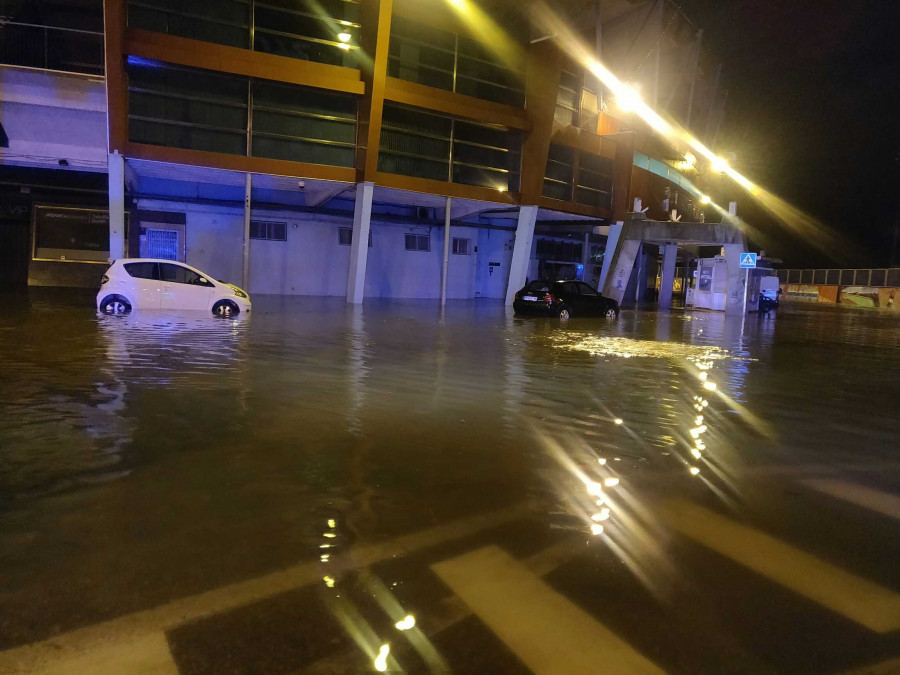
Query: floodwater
{"x": 319, "y": 488}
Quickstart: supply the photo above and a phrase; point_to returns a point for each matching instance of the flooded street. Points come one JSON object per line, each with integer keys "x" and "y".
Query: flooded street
{"x": 280, "y": 492}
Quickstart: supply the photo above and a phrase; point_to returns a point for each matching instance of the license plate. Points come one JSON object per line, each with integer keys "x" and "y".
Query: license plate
{"x": 530, "y": 298}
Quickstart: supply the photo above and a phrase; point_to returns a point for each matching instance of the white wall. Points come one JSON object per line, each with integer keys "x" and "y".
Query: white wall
{"x": 51, "y": 116}
{"x": 312, "y": 262}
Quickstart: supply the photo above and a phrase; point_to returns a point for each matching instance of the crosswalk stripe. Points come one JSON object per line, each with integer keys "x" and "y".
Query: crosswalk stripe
{"x": 874, "y": 500}
{"x": 148, "y": 655}
{"x": 857, "y": 599}
{"x": 546, "y": 631}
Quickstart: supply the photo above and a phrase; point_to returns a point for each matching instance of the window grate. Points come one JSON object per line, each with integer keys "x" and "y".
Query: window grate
{"x": 418, "y": 242}
{"x": 268, "y": 230}
{"x": 460, "y": 246}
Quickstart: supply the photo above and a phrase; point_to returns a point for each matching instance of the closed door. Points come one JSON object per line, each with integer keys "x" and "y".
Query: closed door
{"x": 183, "y": 288}
{"x": 591, "y": 300}
{"x": 158, "y": 242}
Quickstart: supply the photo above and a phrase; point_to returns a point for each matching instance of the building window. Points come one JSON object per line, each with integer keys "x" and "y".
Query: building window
{"x": 560, "y": 172}
{"x": 199, "y": 110}
{"x": 567, "y": 98}
{"x": 445, "y": 60}
{"x": 345, "y": 236}
{"x": 460, "y": 246}
{"x": 418, "y": 143}
{"x": 418, "y": 242}
{"x": 268, "y": 230}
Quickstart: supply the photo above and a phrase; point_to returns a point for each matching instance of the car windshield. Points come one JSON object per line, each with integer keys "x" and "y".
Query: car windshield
{"x": 538, "y": 287}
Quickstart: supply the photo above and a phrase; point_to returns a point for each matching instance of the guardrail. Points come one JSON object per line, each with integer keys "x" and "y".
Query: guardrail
{"x": 51, "y": 48}
{"x": 874, "y": 277}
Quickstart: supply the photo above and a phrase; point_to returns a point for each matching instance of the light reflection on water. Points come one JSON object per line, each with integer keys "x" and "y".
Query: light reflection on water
{"x": 222, "y": 446}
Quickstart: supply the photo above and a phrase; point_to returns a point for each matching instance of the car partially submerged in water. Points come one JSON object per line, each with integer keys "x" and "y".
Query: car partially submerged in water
{"x": 563, "y": 299}
{"x": 148, "y": 283}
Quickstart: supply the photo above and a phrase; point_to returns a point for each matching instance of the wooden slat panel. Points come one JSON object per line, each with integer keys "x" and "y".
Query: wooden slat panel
{"x": 441, "y": 100}
{"x": 196, "y": 54}
{"x": 277, "y": 167}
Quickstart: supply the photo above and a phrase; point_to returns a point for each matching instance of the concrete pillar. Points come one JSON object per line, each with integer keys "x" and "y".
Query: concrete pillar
{"x": 615, "y": 231}
{"x": 518, "y": 268}
{"x": 445, "y": 263}
{"x": 359, "y": 246}
{"x": 245, "y": 268}
{"x": 116, "y": 168}
{"x": 667, "y": 278}
{"x": 587, "y": 271}
{"x": 734, "y": 299}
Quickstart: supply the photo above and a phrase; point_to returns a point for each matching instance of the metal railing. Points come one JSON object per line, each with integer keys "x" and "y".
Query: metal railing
{"x": 51, "y": 48}
{"x": 877, "y": 277}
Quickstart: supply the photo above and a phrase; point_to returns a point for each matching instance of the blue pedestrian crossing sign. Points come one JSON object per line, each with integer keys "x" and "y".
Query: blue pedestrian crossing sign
{"x": 748, "y": 260}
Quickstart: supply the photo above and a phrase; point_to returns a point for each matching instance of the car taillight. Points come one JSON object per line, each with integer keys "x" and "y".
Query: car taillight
{"x": 549, "y": 299}
{"x": 104, "y": 280}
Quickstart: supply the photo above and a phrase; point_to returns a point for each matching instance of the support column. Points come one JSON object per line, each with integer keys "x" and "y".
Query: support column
{"x": 734, "y": 299}
{"x": 586, "y": 268}
{"x": 116, "y": 169}
{"x": 667, "y": 278}
{"x": 359, "y": 245}
{"x": 612, "y": 241}
{"x": 245, "y": 275}
{"x": 445, "y": 264}
{"x": 518, "y": 269}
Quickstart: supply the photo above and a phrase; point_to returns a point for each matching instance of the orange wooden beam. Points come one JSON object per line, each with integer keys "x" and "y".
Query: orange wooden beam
{"x": 441, "y": 100}
{"x": 375, "y": 38}
{"x": 443, "y": 188}
{"x": 217, "y": 160}
{"x": 541, "y": 89}
{"x": 195, "y": 54}
{"x": 116, "y": 82}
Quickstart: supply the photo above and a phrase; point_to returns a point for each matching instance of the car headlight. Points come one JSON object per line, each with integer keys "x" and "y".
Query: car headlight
{"x": 238, "y": 292}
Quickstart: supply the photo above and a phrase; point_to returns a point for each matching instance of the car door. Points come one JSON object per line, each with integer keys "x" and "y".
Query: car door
{"x": 183, "y": 288}
{"x": 591, "y": 300}
{"x": 573, "y": 298}
{"x": 142, "y": 286}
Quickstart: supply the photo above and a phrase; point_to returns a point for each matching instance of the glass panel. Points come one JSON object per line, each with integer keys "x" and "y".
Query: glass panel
{"x": 144, "y": 270}
{"x": 225, "y": 22}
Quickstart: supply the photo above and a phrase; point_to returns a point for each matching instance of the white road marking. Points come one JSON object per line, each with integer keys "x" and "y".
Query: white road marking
{"x": 857, "y": 599}
{"x": 874, "y": 500}
{"x": 548, "y": 632}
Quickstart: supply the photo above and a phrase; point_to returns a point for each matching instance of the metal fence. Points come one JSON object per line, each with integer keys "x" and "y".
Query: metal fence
{"x": 51, "y": 48}
{"x": 831, "y": 277}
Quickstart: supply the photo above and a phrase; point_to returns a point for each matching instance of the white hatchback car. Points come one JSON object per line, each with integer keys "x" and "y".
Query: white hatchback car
{"x": 148, "y": 283}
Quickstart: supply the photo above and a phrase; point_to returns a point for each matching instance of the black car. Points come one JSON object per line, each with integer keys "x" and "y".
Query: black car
{"x": 563, "y": 299}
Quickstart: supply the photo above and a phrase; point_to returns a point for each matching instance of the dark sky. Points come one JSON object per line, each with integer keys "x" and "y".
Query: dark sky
{"x": 814, "y": 111}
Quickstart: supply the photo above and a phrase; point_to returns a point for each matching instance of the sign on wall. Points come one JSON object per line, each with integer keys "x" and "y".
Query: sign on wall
{"x": 71, "y": 234}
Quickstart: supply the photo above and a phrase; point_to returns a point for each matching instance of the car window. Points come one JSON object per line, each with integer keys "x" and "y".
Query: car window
{"x": 181, "y": 275}
{"x": 537, "y": 286}
{"x": 143, "y": 270}
{"x": 570, "y": 288}
{"x": 584, "y": 289}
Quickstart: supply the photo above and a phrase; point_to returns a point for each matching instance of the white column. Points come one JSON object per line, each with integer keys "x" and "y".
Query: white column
{"x": 359, "y": 246}
{"x": 586, "y": 268}
{"x": 518, "y": 269}
{"x": 116, "y": 169}
{"x": 734, "y": 299}
{"x": 446, "y": 262}
{"x": 612, "y": 240}
{"x": 667, "y": 277}
{"x": 245, "y": 276}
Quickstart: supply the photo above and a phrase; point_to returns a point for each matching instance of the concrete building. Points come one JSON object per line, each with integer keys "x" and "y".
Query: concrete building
{"x": 355, "y": 148}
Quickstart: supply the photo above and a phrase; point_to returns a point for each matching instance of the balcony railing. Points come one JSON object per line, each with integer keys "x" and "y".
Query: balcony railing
{"x": 883, "y": 277}
{"x": 51, "y": 48}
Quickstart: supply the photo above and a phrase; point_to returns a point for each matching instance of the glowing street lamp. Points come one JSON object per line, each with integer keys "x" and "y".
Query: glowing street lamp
{"x": 719, "y": 165}
{"x": 627, "y": 99}
{"x": 705, "y": 199}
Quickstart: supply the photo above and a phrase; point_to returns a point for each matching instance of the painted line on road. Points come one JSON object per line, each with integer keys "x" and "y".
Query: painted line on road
{"x": 105, "y": 639}
{"x": 857, "y": 599}
{"x": 874, "y": 500}
{"x": 548, "y": 632}
{"x": 148, "y": 655}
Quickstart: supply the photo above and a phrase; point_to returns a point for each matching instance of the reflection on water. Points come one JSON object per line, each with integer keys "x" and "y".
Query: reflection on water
{"x": 225, "y": 448}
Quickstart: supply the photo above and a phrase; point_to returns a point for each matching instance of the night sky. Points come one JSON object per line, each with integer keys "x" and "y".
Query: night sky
{"x": 814, "y": 112}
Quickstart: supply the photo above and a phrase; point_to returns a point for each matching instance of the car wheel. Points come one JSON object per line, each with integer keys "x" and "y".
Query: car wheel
{"x": 564, "y": 313}
{"x": 225, "y": 308}
{"x": 611, "y": 313}
{"x": 115, "y": 304}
